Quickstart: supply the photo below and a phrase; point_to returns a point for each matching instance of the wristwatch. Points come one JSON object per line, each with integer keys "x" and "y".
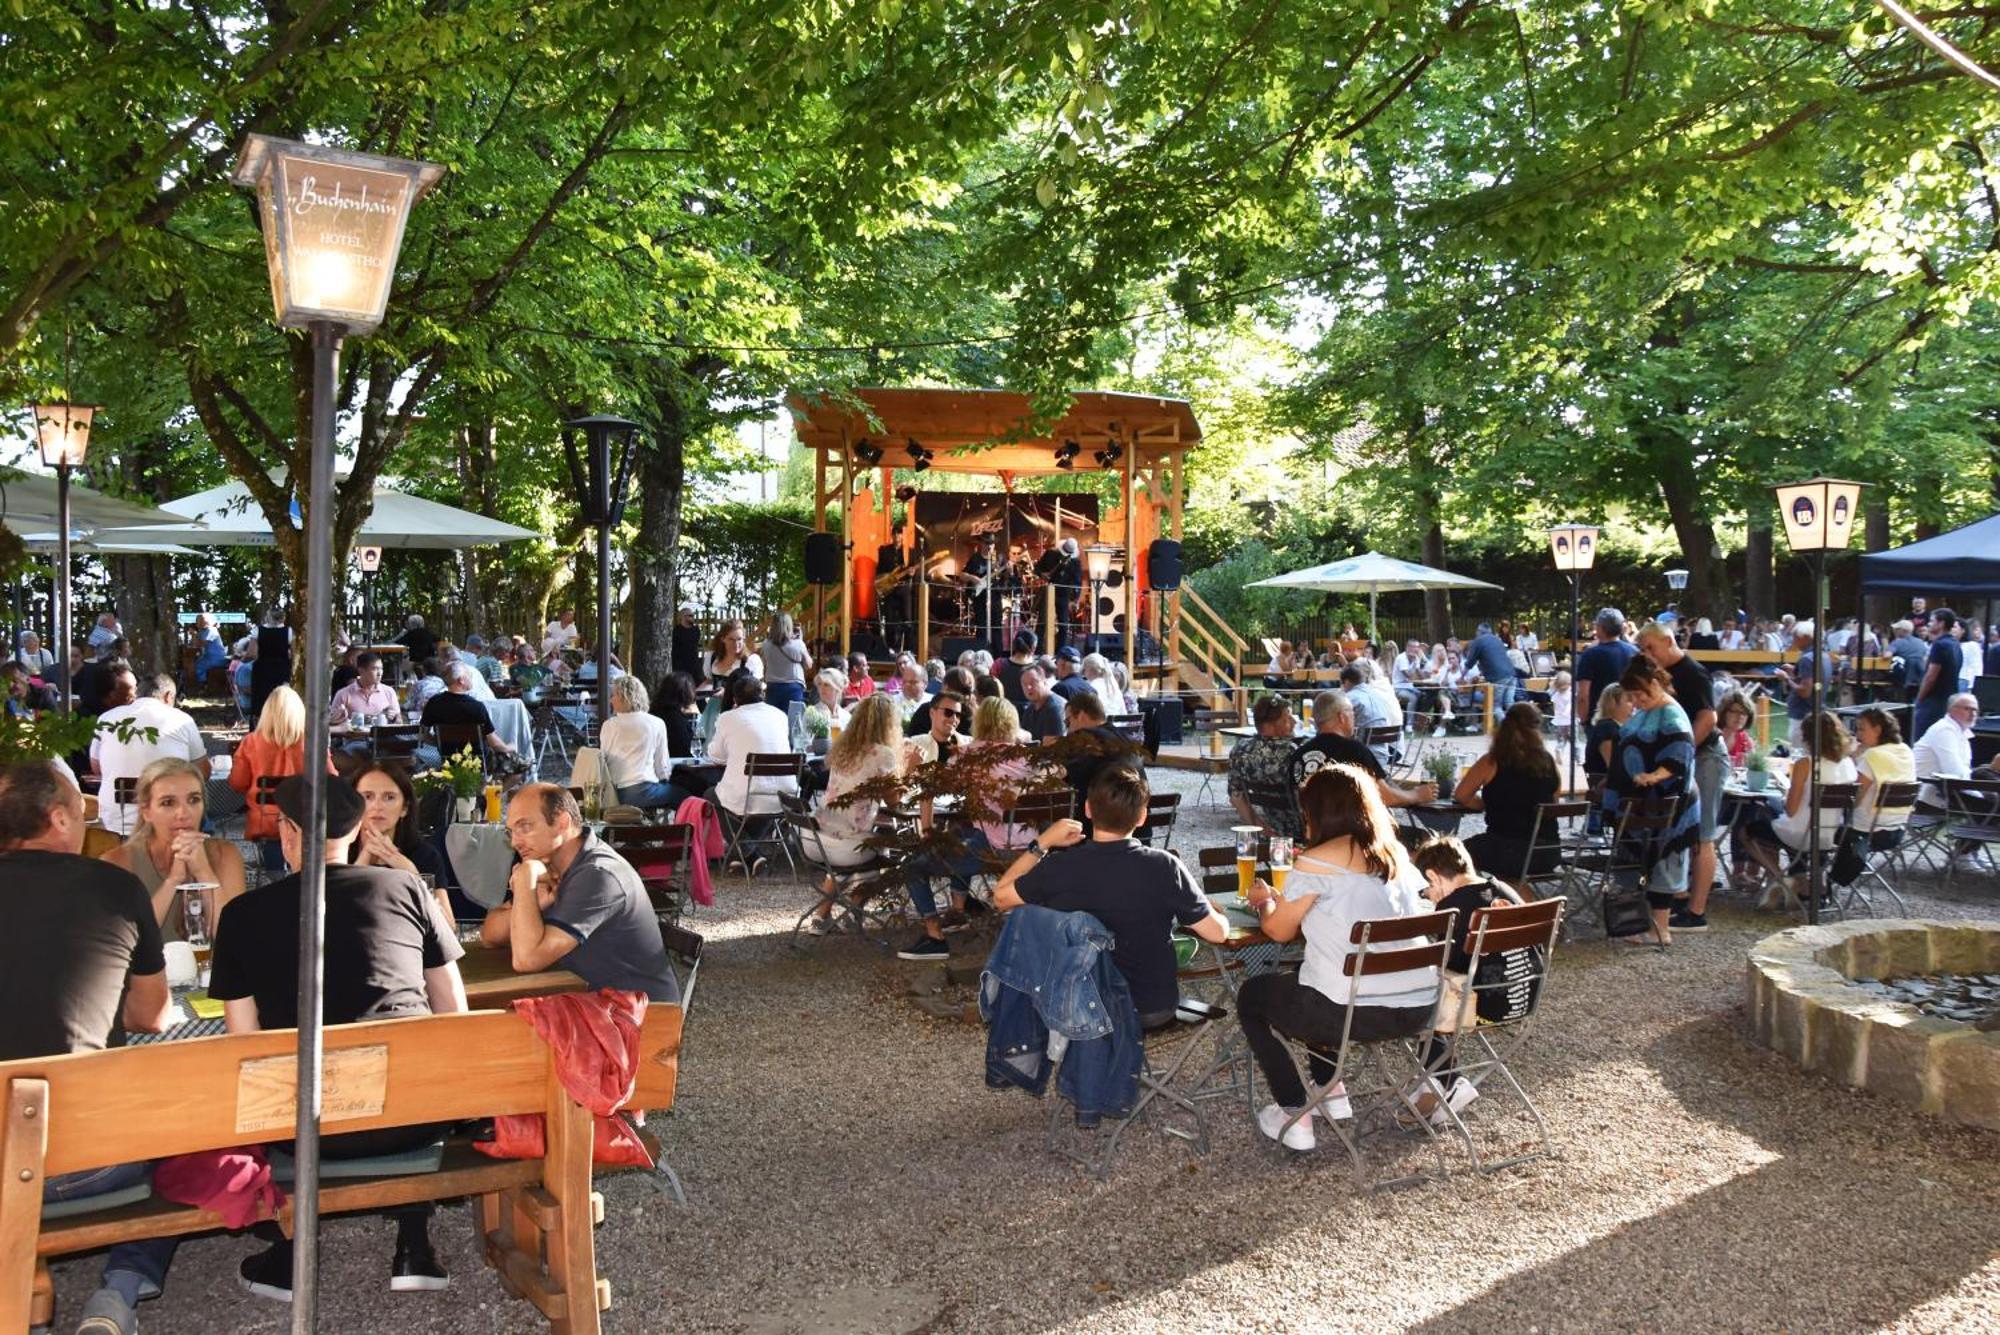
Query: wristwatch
{"x": 1035, "y": 847}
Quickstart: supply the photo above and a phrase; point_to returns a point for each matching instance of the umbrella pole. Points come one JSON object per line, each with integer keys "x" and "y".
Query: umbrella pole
{"x": 1374, "y": 635}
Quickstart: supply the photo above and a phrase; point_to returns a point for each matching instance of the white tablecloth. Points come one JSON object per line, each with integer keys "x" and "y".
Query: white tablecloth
{"x": 510, "y": 723}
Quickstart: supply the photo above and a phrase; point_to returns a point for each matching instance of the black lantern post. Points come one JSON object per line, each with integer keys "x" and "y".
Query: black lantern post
{"x": 600, "y": 483}
{"x": 333, "y": 227}
{"x": 1819, "y": 518}
{"x": 371, "y": 565}
{"x": 1574, "y": 547}
{"x": 63, "y": 431}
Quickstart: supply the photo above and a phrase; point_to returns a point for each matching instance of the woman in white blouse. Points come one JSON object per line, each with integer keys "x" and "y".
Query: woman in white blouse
{"x": 1354, "y": 869}
{"x": 633, "y": 744}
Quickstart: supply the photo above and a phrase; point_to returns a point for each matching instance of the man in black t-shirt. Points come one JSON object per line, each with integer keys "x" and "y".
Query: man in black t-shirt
{"x": 80, "y": 935}
{"x": 419, "y": 641}
{"x": 1140, "y": 894}
{"x": 389, "y": 951}
{"x": 1603, "y": 663}
{"x": 1010, "y": 669}
{"x": 457, "y": 706}
{"x": 1334, "y": 744}
{"x": 1106, "y": 746}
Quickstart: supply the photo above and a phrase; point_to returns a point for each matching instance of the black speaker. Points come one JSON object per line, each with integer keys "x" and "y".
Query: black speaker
{"x": 1163, "y": 565}
{"x": 1167, "y": 714}
{"x": 822, "y": 558}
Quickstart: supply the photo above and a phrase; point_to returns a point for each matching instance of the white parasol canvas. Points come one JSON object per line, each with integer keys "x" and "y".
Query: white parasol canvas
{"x": 1373, "y": 574}
{"x": 227, "y": 517}
{"x": 28, "y": 501}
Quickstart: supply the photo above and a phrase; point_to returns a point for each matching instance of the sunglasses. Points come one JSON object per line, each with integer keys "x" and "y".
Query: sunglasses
{"x": 948, "y": 713}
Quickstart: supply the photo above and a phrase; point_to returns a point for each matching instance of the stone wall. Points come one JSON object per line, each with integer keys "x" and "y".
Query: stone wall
{"x": 1802, "y": 1005}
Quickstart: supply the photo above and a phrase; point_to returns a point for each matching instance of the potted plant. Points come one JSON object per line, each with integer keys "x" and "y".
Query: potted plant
{"x": 1757, "y": 769}
{"x": 1443, "y": 769}
{"x": 461, "y": 774}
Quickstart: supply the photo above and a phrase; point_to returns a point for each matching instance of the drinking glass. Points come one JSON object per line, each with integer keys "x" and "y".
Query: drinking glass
{"x": 1281, "y": 862}
{"x": 1246, "y": 857}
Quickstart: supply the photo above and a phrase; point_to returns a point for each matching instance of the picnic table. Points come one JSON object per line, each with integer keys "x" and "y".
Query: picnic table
{"x": 491, "y": 983}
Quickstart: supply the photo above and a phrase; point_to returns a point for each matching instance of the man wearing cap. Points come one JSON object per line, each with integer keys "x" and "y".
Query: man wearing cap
{"x": 389, "y": 951}
{"x": 1069, "y": 682}
{"x": 575, "y": 904}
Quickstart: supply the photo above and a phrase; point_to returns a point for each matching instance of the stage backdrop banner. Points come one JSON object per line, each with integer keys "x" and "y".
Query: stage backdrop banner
{"x": 953, "y": 520}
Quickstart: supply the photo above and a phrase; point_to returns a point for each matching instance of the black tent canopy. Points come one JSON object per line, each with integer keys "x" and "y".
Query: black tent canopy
{"x": 1964, "y": 561}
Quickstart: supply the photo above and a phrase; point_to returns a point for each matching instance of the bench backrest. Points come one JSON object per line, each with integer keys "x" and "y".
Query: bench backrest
{"x": 135, "y": 1103}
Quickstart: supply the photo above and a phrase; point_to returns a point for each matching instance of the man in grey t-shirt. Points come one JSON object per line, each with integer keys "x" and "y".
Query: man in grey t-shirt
{"x": 575, "y": 903}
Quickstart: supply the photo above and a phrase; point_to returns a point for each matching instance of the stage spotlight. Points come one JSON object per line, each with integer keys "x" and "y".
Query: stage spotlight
{"x": 867, "y": 453}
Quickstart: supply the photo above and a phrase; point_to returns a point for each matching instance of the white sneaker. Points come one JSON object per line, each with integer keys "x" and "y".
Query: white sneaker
{"x": 1462, "y": 1094}
{"x": 1298, "y": 1136}
{"x": 1336, "y": 1108}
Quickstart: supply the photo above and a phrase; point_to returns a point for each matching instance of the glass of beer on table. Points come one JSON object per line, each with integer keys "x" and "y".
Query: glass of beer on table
{"x": 1246, "y": 857}
{"x": 1281, "y": 862}
{"x": 198, "y": 923}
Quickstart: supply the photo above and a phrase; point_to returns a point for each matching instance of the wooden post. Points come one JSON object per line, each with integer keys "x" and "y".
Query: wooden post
{"x": 1178, "y": 476}
{"x": 1131, "y": 560}
{"x": 819, "y": 526}
{"x": 923, "y": 608}
{"x": 847, "y": 561}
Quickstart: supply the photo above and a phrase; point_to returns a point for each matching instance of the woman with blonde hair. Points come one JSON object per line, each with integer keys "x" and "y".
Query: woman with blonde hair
{"x": 869, "y": 747}
{"x": 168, "y": 850}
{"x": 828, "y": 711}
{"x": 275, "y": 750}
{"x": 787, "y": 663}
{"x": 989, "y": 773}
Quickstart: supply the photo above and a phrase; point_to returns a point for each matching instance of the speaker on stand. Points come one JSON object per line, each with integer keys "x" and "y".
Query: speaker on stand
{"x": 822, "y": 558}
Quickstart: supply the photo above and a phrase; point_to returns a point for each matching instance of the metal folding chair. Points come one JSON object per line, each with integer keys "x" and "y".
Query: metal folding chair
{"x": 1163, "y": 812}
{"x": 1642, "y": 822}
{"x": 125, "y": 791}
{"x": 886, "y": 908}
{"x": 762, "y": 765}
{"x": 1551, "y": 843}
{"x": 1972, "y": 816}
{"x": 1892, "y": 805}
{"x": 1212, "y": 766}
{"x": 1167, "y": 1050}
{"x": 1524, "y": 936}
{"x": 395, "y": 741}
{"x": 1376, "y": 1075}
{"x": 1387, "y": 741}
{"x": 1277, "y": 804}
{"x": 663, "y": 855}
{"x": 684, "y": 958}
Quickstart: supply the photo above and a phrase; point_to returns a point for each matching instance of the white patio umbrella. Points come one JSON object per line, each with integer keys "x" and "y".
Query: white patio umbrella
{"x": 29, "y": 502}
{"x": 81, "y": 541}
{"x": 1373, "y": 574}
{"x": 225, "y": 516}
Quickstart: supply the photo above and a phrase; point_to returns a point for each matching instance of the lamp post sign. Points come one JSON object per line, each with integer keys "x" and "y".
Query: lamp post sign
{"x": 333, "y": 224}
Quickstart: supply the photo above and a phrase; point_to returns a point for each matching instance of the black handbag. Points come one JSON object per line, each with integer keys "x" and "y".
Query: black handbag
{"x": 1626, "y": 912}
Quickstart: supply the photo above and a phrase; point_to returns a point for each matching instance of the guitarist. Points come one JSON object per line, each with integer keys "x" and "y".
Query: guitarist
{"x": 977, "y": 577}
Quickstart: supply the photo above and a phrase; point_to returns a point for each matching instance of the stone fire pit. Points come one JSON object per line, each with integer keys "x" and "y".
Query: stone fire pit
{"x": 1804, "y": 1003}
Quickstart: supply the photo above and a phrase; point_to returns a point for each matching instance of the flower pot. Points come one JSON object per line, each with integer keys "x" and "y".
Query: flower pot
{"x": 462, "y": 809}
{"x": 1757, "y": 780}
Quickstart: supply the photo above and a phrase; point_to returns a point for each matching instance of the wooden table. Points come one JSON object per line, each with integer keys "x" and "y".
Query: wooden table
{"x": 491, "y": 983}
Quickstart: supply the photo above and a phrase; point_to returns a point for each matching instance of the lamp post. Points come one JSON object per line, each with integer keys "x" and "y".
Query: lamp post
{"x": 1819, "y": 518}
{"x": 1097, "y": 567}
{"x": 63, "y": 430}
{"x": 371, "y": 565}
{"x": 333, "y": 227}
{"x": 601, "y": 497}
{"x": 1677, "y": 580}
{"x": 1574, "y": 547}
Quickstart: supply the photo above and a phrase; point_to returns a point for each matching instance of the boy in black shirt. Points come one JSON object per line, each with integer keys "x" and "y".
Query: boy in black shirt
{"x": 388, "y": 951}
{"x": 1140, "y": 894}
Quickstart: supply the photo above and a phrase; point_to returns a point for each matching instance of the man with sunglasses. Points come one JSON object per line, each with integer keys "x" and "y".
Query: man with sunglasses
{"x": 947, "y": 707}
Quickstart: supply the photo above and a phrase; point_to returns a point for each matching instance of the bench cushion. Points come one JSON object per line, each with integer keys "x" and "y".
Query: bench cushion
{"x": 422, "y": 1159}
{"x": 104, "y": 1200}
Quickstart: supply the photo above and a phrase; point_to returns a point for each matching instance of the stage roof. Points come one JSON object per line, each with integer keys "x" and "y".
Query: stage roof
{"x": 962, "y": 424}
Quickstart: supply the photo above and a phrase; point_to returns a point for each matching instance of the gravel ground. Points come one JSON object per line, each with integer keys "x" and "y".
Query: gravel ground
{"x": 849, "y": 1172}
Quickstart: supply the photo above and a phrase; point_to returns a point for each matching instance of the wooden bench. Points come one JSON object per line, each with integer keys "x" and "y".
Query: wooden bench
{"x": 125, "y": 1105}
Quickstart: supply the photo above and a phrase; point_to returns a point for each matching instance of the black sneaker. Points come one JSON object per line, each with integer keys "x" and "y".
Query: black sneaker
{"x": 1684, "y": 921}
{"x": 416, "y": 1269}
{"x": 269, "y": 1273}
{"x": 925, "y": 949}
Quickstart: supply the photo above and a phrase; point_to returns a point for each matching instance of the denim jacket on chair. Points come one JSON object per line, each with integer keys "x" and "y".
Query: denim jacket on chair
{"x": 1052, "y": 972}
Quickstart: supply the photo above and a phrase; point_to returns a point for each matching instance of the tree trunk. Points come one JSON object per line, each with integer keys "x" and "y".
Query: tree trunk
{"x": 143, "y": 593}
{"x": 1437, "y": 602}
{"x": 1878, "y": 608}
{"x": 655, "y": 568}
{"x": 1760, "y": 584}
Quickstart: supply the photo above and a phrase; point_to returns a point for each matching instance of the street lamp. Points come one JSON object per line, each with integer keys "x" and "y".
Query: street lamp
{"x": 1677, "y": 580}
{"x": 371, "y": 566}
{"x": 63, "y": 430}
{"x": 1097, "y": 568}
{"x": 1574, "y": 547}
{"x": 600, "y": 495}
{"x": 1819, "y": 518}
{"x": 333, "y": 227}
